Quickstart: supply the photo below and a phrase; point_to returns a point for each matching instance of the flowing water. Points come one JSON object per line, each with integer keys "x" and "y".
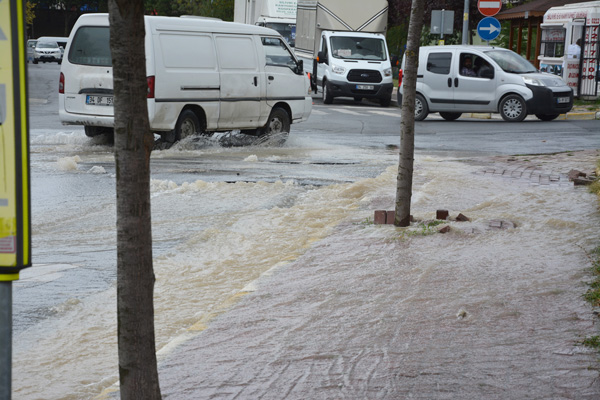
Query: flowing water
{"x": 299, "y": 259}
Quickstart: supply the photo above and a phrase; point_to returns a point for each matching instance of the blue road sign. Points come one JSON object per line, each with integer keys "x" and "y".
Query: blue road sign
{"x": 488, "y": 28}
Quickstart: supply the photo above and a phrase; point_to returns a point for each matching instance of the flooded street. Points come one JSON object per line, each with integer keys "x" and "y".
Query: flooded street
{"x": 285, "y": 288}
{"x": 273, "y": 282}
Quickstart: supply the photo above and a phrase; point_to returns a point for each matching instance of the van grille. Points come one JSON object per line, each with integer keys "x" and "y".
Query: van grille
{"x": 364, "y": 75}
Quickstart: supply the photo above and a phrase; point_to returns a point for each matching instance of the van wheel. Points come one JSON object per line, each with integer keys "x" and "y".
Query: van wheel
{"x": 421, "y": 108}
{"x": 385, "y": 102}
{"x": 327, "y": 96}
{"x": 91, "y": 131}
{"x": 278, "y": 122}
{"x": 450, "y": 116}
{"x": 35, "y": 61}
{"x": 547, "y": 117}
{"x": 513, "y": 108}
{"x": 187, "y": 124}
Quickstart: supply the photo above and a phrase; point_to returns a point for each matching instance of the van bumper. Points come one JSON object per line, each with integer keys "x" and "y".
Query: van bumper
{"x": 347, "y": 89}
{"x": 548, "y": 101}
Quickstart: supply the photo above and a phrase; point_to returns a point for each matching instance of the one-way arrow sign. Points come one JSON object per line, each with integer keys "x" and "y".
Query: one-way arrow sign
{"x": 488, "y": 28}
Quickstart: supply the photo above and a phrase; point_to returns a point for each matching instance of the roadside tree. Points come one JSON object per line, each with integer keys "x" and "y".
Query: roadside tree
{"x": 407, "y": 124}
{"x": 138, "y": 373}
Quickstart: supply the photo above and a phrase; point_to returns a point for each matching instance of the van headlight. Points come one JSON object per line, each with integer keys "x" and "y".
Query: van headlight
{"x": 532, "y": 81}
{"x": 339, "y": 70}
{"x": 387, "y": 72}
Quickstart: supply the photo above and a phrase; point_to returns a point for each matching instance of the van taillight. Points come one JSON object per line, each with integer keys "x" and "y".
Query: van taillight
{"x": 399, "y": 78}
{"x": 61, "y": 84}
{"x": 150, "y": 81}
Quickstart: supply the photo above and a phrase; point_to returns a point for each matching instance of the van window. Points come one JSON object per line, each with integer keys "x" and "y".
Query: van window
{"x": 553, "y": 42}
{"x": 357, "y": 48}
{"x": 236, "y": 52}
{"x": 91, "y": 46}
{"x": 188, "y": 51}
{"x": 439, "y": 63}
{"x": 277, "y": 53}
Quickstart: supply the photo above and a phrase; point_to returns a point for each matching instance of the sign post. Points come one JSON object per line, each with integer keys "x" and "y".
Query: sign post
{"x": 442, "y": 23}
{"x": 15, "y": 228}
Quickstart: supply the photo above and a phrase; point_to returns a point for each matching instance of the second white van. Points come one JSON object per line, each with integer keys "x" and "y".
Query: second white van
{"x": 203, "y": 76}
{"x": 460, "y": 79}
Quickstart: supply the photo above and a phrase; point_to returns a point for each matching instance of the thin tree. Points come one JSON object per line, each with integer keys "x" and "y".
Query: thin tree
{"x": 407, "y": 116}
{"x": 138, "y": 373}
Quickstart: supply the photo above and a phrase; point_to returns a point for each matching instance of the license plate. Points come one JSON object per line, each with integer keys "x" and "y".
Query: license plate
{"x": 365, "y": 87}
{"x": 98, "y": 100}
{"x": 562, "y": 100}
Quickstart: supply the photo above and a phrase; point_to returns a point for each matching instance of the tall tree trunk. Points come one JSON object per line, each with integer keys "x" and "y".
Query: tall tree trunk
{"x": 138, "y": 373}
{"x": 407, "y": 125}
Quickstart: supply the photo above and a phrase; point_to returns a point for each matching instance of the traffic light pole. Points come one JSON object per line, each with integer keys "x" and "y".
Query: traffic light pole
{"x": 465, "y": 29}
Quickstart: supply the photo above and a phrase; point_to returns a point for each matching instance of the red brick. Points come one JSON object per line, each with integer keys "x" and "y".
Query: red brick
{"x": 380, "y": 216}
{"x": 441, "y": 214}
{"x": 391, "y": 215}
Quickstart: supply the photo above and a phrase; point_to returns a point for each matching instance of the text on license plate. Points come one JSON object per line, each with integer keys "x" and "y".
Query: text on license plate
{"x": 562, "y": 100}
{"x": 365, "y": 87}
{"x": 99, "y": 100}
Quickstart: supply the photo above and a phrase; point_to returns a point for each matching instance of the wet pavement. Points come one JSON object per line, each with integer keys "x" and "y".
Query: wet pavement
{"x": 379, "y": 312}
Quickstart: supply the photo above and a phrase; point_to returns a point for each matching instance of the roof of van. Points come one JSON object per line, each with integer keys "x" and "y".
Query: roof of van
{"x": 188, "y": 23}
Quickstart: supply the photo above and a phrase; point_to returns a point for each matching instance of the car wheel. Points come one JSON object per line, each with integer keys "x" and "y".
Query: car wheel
{"x": 421, "y": 108}
{"x": 35, "y": 61}
{"x": 385, "y": 102}
{"x": 327, "y": 97}
{"x": 547, "y": 117}
{"x": 188, "y": 124}
{"x": 450, "y": 116}
{"x": 278, "y": 122}
{"x": 513, "y": 108}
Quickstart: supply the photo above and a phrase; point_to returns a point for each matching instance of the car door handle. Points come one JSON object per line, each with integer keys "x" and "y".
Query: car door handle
{"x": 255, "y": 81}
{"x": 271, "y": 77}
{"x": 455, "y": 82}
{"x": 449, "y": 82}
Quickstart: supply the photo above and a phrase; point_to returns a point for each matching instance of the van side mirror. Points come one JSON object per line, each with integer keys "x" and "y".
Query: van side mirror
{"x": 299, "y": 67}
{"x": 321, "y": 58}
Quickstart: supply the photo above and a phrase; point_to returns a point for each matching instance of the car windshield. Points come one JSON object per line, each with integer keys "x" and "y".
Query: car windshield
{"x": 511, "y": 62}
{"x": 358, "y": 48}
{"x": 48, "y": 45}
{"x": 91, "y": 46}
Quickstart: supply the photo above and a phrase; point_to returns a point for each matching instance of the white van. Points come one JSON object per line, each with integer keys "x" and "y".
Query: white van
{"x": 204, "y": 75}
{"x": 498, "y": 81}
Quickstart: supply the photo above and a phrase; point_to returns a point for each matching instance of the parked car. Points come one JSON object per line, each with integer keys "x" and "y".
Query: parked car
{"x": 47, "y": 52}
{"x": 458, "y": 79}
{"x": 203, "y": 76}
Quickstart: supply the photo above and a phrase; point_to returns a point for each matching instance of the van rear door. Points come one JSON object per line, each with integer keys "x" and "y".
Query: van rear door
{"x": 241, "y": 81}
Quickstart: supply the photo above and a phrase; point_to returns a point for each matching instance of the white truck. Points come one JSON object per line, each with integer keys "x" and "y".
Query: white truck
{"x": 569, "y": 45}
{"x": 275, "y": 14}
{"x": 343, "y": 47}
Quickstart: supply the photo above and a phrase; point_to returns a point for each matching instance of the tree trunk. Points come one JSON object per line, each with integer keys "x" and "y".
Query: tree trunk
{"x": 407, "y": 124}
{"x": 138, "y": 373}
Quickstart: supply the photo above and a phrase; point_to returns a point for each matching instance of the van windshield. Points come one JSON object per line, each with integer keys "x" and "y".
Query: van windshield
{"x": 511, "y": 62}
{"x": 357, "y": 48}
{"x": 91, "y": 46}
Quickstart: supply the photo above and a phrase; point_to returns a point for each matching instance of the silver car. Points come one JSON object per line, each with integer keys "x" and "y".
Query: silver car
{"x": 47, "y": 52}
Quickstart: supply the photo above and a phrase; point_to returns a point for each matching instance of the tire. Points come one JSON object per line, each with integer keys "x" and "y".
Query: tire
{"x": 35, "y": 61}
{"x": 188, "y": 124}
{"x": 278, "y": 122}
{"x": 385, "y": 102}
{"x": 421, "y": 108}
{"x": 450, "y": 116}
{"x": 327, "y": 96}
{"x": 513, "y": 108}
{"x": 547, "y": 117}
